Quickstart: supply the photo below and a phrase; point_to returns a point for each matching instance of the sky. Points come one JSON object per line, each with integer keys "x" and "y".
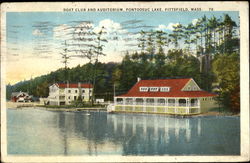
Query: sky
{"x": 35, "y": 40}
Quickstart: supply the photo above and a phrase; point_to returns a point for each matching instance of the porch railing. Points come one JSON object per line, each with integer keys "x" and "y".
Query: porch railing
{"x": 158, "y": 104}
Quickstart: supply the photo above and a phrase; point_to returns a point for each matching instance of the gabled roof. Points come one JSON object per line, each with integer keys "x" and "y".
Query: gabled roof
{"x": 175, "y": 89}
{"x": 71, "y": 85}
{"x": 19, "y": 93}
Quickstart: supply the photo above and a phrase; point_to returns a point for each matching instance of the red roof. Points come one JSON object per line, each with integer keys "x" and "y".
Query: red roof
{"x": 175, "y": 89}
{"x": 64, "y": 85}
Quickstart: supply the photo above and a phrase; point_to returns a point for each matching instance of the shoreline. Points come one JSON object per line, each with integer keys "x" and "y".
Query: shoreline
{"x": 13, "y": 105}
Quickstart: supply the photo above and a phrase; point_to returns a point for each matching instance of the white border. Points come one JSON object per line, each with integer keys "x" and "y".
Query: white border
{"x": 242, "y": 7}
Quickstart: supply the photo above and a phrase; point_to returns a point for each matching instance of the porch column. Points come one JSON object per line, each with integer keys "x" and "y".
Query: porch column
{"x": 115, "y": 98}
{"x": 155, "y": 104}
{"x": 176, "y": 105}
{"x": 166, "y": 105}
{"x": 124, "y": 103}
{"x": 187, "y": 105}
{"x": 144, "y": 104}
{"x": 134, "y": 103}
{"x": 199, "y": 105}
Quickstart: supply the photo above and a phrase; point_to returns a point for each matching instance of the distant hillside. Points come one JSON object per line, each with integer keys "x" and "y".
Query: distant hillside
{"x": 38, "y": 86}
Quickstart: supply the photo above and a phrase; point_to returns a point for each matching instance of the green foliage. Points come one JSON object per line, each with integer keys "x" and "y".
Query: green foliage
{"x": 42, "y": 90}
{"x": 173, "y": 64}
{"x": 227, "y": 70}
{"x": 79, "y": 102}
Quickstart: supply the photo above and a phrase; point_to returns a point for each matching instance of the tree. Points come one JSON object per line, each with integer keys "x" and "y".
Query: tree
{"x": 98, "y": 52}
{"x": 150, "y": 44}
{"x": 161, "y": 41}
{"x": 227, "y": 70}
{"x": 65, "y": 61}
{"x": 142, "y": 41}
{"x": 213, "y": 24}
{"x": 42, "y": 90}
{"x": 188, "y": 33}
{"x": 176, "y": 35}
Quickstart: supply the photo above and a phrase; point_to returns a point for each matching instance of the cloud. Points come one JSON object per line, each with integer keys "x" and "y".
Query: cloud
{"x": 161, "y": 27}
{"x": 194, "y": 21}
{"x": 37, "y": 32}
{"x": 118, "y": 37}
{"x": 168, "y": 27}
{"x": 114, "y": 33}
{"x": 109, "y": 26}
{"x": 171, "y": 26}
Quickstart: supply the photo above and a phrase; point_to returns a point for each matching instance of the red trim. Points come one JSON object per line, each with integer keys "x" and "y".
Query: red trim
{"x": 175, "y": 89}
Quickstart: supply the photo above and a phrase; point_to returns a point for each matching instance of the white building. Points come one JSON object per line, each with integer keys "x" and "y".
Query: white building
{"x": 65, "y": 94}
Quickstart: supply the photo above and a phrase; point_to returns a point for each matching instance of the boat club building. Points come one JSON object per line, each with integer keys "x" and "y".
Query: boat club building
{"x": 168, "y": 96}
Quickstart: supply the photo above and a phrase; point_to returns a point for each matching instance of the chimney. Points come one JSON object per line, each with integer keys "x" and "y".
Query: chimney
{"x": 67, "y": 84}
{"x": 138, "y": 79}
{"x": 79, "y": 88}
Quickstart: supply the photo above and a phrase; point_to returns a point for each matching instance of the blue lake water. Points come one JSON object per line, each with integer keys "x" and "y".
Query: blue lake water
{"x": 40, "y": 132}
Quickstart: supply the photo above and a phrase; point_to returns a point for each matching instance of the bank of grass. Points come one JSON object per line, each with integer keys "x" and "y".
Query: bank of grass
{"x": 221, "y": 111}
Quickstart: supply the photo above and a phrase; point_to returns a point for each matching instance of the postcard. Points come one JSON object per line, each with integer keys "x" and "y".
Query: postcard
{"x": 125, "y": 82}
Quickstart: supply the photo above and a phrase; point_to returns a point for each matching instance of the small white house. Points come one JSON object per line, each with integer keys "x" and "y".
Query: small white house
{"x": 65, "y": 93}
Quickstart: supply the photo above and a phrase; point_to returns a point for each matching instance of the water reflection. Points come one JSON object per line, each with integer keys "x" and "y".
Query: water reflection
{"x": 150, "y": 134}
{"x": 78, "y": 133}
{"x": 79, "y": 128}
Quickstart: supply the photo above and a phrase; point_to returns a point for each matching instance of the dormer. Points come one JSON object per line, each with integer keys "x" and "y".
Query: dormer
{"x": 143, "y": 89}
{"x": 154, "y": 89}
{"x": 164, "y": 89}
{"x": 191, "y": 85}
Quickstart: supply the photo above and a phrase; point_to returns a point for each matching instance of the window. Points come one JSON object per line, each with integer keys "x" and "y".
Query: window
{"x": 74, "y": 97}
{"x": 69, "y": 91}
{"x": 189, "y": 88}
{"x": 83, "y": 91}
{"x": 164, "y": 89}
{"x": 143, "y": 89}
{"x": 75, "y": 91}
{"x": 61, "y": 97}
{"x": 194, "y": 88}
{"x": 154, "y": 89}
{"x": 69, "y": 97}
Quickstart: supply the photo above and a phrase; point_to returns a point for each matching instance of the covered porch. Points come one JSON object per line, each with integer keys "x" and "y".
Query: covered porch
{"x": 159, "y": 104}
